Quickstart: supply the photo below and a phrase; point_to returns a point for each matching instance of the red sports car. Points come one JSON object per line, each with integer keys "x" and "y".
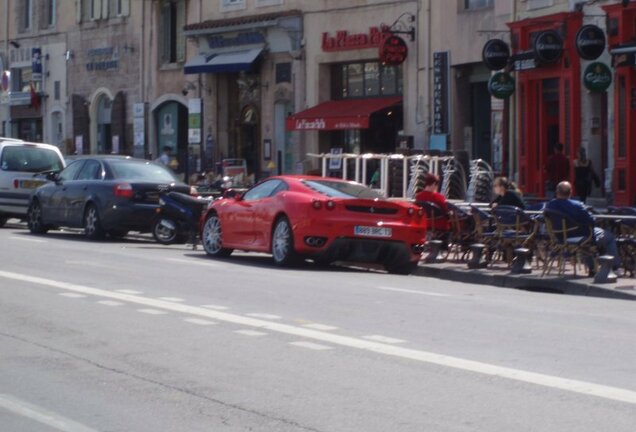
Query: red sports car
{"x": 325, "y": 219}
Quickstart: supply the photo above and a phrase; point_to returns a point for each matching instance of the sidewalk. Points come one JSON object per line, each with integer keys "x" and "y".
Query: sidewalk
{"x": 499, "y": 275}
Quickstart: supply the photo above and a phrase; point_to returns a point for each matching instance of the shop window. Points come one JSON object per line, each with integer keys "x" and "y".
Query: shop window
{"x": 47, "y": 11}
{"x": 538, "y": 4}
{"x": 477, "y": 4}
{"x": 232, "y": 5}
{"x": 283, "y": 72}
{"x": 24, "y": 12}
{"x": 21, "y": 79}
{"x": 369, "y": 79}
{"x": 172, "y": 37}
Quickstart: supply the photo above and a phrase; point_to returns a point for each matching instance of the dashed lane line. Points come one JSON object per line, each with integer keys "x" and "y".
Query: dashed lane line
{"x": 549, "y": 381}
{"x": 110, "y": 303}
{"x": 253, "y": 333}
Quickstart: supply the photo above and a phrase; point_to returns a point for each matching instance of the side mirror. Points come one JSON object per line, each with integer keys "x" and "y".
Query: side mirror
{"x": 52, "y": 175}
{"x": 232, "y": 193}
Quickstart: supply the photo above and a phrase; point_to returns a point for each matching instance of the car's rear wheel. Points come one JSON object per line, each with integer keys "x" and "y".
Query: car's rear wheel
{"x": 3, "y": 220}
{"x": 34, "y": 219}
{"x": 212, "y": 238}
{"x": 92, "y": 225}
{"x": 283, "y": 243}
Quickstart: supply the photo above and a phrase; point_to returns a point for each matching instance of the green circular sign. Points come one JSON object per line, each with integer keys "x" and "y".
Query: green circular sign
{"x": 501, "y": 85}
{"x": 597, "y": 77}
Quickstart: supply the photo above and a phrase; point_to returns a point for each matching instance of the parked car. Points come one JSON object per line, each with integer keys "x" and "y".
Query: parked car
{"x": 326, "y": 219}
{"x": 22, "y": 165}
{"x": 102, "y": 194}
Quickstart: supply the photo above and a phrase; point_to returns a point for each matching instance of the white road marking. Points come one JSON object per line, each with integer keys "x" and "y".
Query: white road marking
{"x": 72, "y": 295}
{"x": 383, "y": 339}
{"x": 152, "y": 311}
{"x": 41, "y": 415}
{"x": 199, "y": 321}
{"x": 26, "y": 239}
{"x": 311, "y": 346}
{"x": 321, "y": 327}
{"x": 127, "y": 291}
{"x": 193, "y": 262}
{"x": 172, "y": 299}
{"x": 409, "y": 291}
{"x": 216, "y": 307}
{"x": 250, "y": 333}
{"x": 110, "y": 303}
{"x": 550, "y": 381}
{"x": 263, "y": 316}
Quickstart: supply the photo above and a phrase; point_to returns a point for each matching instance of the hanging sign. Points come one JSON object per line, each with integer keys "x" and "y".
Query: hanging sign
{"x": 495, "y": 54}
{"x": 501, "y": 85}
{"x": 36, "y": 64}
{"x": 597, "y": 77}
{"x": 590, "y": 42}
{"x": 548, "y": 47}
{"x": 393, "y": 51}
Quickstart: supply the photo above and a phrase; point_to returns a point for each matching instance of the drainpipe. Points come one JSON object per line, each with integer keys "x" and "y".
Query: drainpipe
{"x": 513, "y": 169}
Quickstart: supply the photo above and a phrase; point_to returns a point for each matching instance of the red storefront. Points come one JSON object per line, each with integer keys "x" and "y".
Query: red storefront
{"x": 621, "y": 34}
{"x": 548, "y": 93}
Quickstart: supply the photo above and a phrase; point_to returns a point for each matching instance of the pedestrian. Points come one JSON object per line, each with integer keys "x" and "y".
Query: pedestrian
{"x": 557, "y": 169}
{"x": 575, "y": 210}
{"x": 166, "y": 156}
{"x": 584, "y": 175}
{"x": 506, "y": 193}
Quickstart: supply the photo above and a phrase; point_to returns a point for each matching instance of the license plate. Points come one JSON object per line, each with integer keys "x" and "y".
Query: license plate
{"x": 369, "y": 231}
{"x": 30, "y": 184}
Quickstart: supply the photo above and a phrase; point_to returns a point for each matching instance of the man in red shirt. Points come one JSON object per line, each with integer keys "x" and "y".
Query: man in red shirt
{"x": 557, "y": 169}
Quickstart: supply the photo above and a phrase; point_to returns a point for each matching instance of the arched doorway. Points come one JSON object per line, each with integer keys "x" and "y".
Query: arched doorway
{"x": 249, "y": 138}
{"x": 171, "y": 127}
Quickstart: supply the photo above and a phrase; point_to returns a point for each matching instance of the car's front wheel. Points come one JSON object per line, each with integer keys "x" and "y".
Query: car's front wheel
{"x": 283, "y": 243}
{"x": 92, "y": 225}
{"x": 212, "y": 238}
{"x": 34, "y": 218}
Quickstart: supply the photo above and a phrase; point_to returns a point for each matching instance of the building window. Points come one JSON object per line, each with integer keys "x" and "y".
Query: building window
{"x": 538, "y": 4}
{"x": 47, "y": 14}
{"x": 283, "y": 72}
{"x": 172, "y": 37}
{"x": 120, "y": 7}
{"x": 263, "y": 3}
{"x": 232, "y": 5}
{"x": 477, "y": 4}
{"x": 56, "y": 90}
{"x": 369, "y": 79}
{"x": 21, "y": 79}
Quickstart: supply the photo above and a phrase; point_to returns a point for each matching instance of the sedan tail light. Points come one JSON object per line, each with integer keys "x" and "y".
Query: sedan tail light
{"x": 123, "y": 190}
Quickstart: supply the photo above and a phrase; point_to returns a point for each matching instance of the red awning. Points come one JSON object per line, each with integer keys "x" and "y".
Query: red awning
{"x": 341, "y": 114}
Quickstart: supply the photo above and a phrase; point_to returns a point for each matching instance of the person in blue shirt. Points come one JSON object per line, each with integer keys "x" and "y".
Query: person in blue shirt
{"x": 605, "y": 240}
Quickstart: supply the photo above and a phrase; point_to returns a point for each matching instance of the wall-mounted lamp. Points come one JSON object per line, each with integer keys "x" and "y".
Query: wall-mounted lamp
{"x": 14, "y": 44}
{"x": 68, "y": 55}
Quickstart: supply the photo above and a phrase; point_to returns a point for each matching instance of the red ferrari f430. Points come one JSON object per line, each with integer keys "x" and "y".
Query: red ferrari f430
{"x": 324, "y": 219}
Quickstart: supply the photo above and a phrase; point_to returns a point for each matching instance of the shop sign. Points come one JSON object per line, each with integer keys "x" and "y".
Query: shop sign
{"x": 501, "y": 85}
{"x": 548, "y": 47}
{"x": 320, "y": 123}
{"x": 590, "y": 42}
{"x": 194, "y": 121}
{"x": 102, "y": 59}
{"x": 344, "y": 41}
{"x": 441, "y": 103}
{"x": 597, "y": 77}
{"x": 495, "y": 54}
{"x": 36, "y": 64}
{"x": 248, "y": 38}
{"x": 393, "y": 51}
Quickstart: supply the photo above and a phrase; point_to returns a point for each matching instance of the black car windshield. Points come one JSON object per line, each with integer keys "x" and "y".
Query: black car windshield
{"x": 141, "y": 171}
{"x": 337, "y": 189}
{"x": 30, "y": 159}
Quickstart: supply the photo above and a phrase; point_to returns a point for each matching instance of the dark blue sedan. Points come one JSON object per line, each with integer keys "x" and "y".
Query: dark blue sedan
{"x": 102, "y": 194}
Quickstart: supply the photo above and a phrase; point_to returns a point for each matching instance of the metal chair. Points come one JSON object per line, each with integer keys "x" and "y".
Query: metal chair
{"x": 513, "y": 229}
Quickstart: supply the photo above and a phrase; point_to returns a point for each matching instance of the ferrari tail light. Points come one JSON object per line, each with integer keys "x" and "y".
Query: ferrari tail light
{"x": 316, "y": 204}
{"x": 410, "y": 211}
{"x": 123, "y": 190}
{"x": 330, "y": 205}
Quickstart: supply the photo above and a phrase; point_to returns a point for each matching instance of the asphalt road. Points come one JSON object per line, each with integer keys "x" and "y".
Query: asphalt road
{"x": 135, "y": 336}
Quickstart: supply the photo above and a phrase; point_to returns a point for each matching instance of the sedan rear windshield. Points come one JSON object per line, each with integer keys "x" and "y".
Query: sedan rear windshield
{"x": 141, "y": 171}
{"x": 336, "y": 189}
{"x": 30, "y": 159}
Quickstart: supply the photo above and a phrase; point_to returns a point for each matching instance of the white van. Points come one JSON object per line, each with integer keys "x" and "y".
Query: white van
{"x": 21, "y": 166}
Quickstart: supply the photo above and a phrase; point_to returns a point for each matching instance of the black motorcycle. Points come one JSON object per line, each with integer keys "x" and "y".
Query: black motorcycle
{"x": 177, "y": 218}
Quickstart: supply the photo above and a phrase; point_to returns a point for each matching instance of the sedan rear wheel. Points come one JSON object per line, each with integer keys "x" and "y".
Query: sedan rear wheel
{"x": 212, "y": 238}
{"x": 283, "y": 243}
{"x": 34, "y": 219}
{"x": 92, "y": 226}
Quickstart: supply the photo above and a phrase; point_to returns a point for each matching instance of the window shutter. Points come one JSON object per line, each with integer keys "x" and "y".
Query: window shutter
{"x": 181, "y": 21}
{"x": 164, "y": 33}
{"x": 105, "y": 9}
{"x": 125, "y": 7}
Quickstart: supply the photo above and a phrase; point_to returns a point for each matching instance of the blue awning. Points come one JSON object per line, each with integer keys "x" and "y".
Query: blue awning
{"x": 235, "y": 61}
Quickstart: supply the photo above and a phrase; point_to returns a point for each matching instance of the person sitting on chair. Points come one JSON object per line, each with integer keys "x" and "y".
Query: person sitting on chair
{"x": 506, "y": 193}
{"x": 576, "y": 211}
{"x": 431, "y": 195}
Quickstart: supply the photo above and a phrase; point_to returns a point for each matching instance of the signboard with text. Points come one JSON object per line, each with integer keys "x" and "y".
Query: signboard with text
{"x": 441, "y": 103}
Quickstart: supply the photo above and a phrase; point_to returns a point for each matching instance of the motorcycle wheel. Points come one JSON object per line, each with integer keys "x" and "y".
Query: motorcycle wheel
{"x": 163, "y": 233}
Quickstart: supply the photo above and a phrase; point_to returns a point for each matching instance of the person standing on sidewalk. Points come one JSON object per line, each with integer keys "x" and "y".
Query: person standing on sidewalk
{"x": 584, "y": 175}
{"x": 557, "y": 169}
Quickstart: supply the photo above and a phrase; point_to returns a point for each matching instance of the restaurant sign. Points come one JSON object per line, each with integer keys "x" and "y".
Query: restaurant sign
{"x": 320, "y": 123}
{"x": 393, "y": 51}
{"x": 590, "y": 42}
{"x": 597, "y": 77}
{"x": 501, "y": 85}
{"x": 343, "y": 41}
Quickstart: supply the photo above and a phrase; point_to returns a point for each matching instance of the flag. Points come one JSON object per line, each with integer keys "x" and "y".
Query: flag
{"x": 35, "y": 98}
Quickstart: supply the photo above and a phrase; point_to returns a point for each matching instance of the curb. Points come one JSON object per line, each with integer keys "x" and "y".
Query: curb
{"x": 557, "y": 285}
